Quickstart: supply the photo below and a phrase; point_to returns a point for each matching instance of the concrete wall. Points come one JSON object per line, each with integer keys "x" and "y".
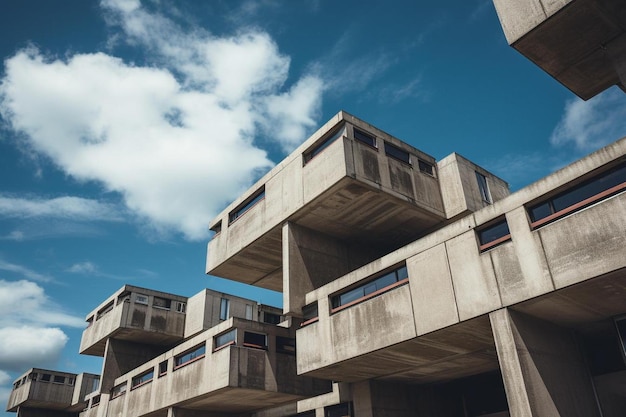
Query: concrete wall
{"x": 519, "y": 17}
{"x": 39, "y": 393}
{"x": 122, "y": 356}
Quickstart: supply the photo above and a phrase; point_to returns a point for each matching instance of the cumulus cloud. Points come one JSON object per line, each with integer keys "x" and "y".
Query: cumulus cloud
{"x": 593, "y": 123}
{"x": 176, "y": 137}
{"x": 28, "y": 346}
{"x": 83, "y": 268}
{"x": 25, "y": 302}
{"x": 74, "y": 208}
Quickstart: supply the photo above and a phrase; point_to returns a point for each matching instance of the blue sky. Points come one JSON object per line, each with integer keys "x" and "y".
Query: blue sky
{"x": 125, "y": 127}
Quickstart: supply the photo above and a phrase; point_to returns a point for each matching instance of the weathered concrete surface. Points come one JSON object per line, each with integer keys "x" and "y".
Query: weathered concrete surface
{"x": 581, "y": 43}
{"x": 543, "y": 370}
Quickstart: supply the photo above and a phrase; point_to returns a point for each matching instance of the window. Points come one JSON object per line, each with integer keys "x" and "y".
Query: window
{"x": 59, "y": 379}
{"x": 309, "y": 314}
{"x": 162, "y": 368}
{"x": 70, "y": 381}
{"x": 425, "y": 167}
{"x": 370, "y": 289}
{"x": 580, "y": 196}
{"x": 247, "y": 205}
{"x": 162, "y": 303}
{"x": 217, "y": 228}
{"x": 286, "y": 345}
{"x": 95, "y": 384}
{"x": 482, "y": 187}
{"x": 181, "y": 307}
{"x": 224, "y": 308}
{"x": 255, "y": 340}
{"x": 118, "y": 390}
{"x": 46, "y": 377}
{"x": 339, "y": 410}
{"x": 142, "y": 379}
{"x": 397, "y": 153}
{"x": 248, "y": 312}
{"x": 308, "y": 155}
{"x": 271, "y": 318}
{"x": 365, "y": 138}
{"x": 493, "y": 235}
{"x": 225, "y": 339}
{"x": 190, "y": 356}
{"x": 104, "y": 310}
{"x": 141, "y": 299}
{"x": 95, "y": 401}
{"x": 33, "y": 376}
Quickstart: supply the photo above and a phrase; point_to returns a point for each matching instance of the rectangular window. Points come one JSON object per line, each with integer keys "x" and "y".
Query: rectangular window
{"x": 339, "y": 410}
{"x": 118, "y": 390}
{"x": 271, "y": 318}
{"x": 95, "y": 401}
{"x": 255, "y": 340}
{"x": 309, "y": 314}
{"x": 425, "y": 167}
{"x": 46, "y": 377}
{"x": 162, "y": 368}
{"x": 397, "y": 153}
{"x": 104, "y": 310}
{"x": 95, "y": 384}
{"x": 217, "y": 229}
{"x": 70, "y": 381}
{"x": 190, "y": 356}
{"x": 224, "y": 308}
{"x": 247, "y": 205}
{"x": 181, "y": 307}
{"x": 493, "y": 235}
{"x": 141, "y": 299}
{"x": 286, "y": 345}
{"x": 483, "y": 188}
{"x": 371, "y": 288}
{"x": 365, "y": 138}
{"x": 579, "y": 196}
{"x": 316, "y": 150}
{"x": 59, "y": 379}
{"x": 225, "y": 339}
{"x": 164, "y": 303}
{"x": 142, "y": 379}
{"x": 248, "y": 312}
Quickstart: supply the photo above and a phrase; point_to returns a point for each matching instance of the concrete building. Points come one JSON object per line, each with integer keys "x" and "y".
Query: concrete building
{"x": 411, "y": 287}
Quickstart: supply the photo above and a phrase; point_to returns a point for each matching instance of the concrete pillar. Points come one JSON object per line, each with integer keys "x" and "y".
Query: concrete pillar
{"x": 121, "y": 356}
{"x": 310, "y": 260}
{"x": 543, "y": 369}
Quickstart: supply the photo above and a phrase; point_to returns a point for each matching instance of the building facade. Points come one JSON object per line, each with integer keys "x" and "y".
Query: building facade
{"x": 411, "y": 287}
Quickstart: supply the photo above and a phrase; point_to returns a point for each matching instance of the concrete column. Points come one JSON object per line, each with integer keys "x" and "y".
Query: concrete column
{"x": 310, "y": 260}
{"x": 121, "y": 356}
{"x": 544, "y": 372}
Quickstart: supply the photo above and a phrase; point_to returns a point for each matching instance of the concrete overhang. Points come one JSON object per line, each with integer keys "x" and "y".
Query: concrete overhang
{"x": 351, "y": 211}
{"x": 581, "y": 43}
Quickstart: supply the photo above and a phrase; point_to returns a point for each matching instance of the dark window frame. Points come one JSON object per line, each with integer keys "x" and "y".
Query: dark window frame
{"x": 190, "y": 356}
{"x": 493, "y": 234}
{"x": 119, "y": 390}
{"x": 310, "y": 314}
{"x": 425, "y": 167}
{"x": 325, "y": 143}
{"x": 286, "y": 345}
{"x": 612, "y": 187}
{"x": 483, "y": 187}
{"x": 365, "y": 138}
{"x": 370, "y": 288}
{"x": 250, "y": 340}
{"x": 139, "y": 381}
{"x": 247, "y": 205}
{"x": 224, "y": 308}
{"x": 397, "y": 153}
{"x": 163, "y": 368}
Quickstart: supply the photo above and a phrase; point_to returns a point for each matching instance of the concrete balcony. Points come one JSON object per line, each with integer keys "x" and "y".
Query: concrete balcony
{"x": 51, "y": 390}
{"x": 432, "y": 323}
{"x": 135, "y": 314}
{"x": 581, "y": 43}
{"x": 237, "y": 366}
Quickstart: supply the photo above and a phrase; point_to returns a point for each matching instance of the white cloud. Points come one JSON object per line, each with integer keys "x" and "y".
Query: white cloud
{"x": 25, "y": 302}
{"x": 23, "y": 272}
{"x": 591, "y": 124}
{"x": 175, "y": 138}
{"x": 83, "y": 268}
{"x": 28, "y": 346}
{"x": 73, "y": 208}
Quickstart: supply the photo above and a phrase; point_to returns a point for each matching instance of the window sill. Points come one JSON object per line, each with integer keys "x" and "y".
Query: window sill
{"x": 189, "y": 362}
{"x": 224, "y": 346}
{"x": 309, "y": 321}
{"x": 490, "y": 245}
{"x": 140, "y": 385}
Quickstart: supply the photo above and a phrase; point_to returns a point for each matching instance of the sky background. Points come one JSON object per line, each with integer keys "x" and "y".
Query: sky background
{"x": 125, "y": 127}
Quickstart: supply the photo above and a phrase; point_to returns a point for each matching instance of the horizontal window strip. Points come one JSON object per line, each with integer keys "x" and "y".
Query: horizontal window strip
{"x": 578, "y": 206}
{"x": 370, "y": 295}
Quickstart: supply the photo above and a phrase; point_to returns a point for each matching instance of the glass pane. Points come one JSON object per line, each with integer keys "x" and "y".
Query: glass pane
{"x": 493, "y": 232}
{"x": 402, "y": 273}
{"x": 541, "y": 211}
{"x": 351, "y": 295}
{"x": 385, "y": 280}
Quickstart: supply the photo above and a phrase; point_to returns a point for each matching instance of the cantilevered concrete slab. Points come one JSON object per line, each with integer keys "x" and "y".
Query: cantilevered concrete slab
{"x": 581, "y": 43}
